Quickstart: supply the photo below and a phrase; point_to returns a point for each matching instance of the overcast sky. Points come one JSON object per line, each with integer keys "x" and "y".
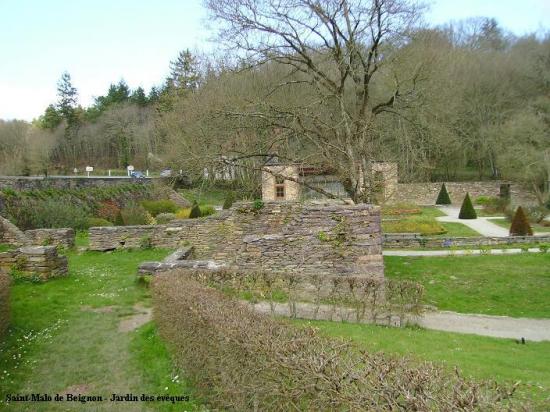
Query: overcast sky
{"x": 100, "y": 42}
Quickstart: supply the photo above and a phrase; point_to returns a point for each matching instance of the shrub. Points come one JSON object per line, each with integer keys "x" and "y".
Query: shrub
{"x": 229, "y": 200}
{"x": 98, "y": 222}
{"x": 135, "y": 215}
{"x": 401, "y": 209}
{"x": 195, "y": 211}
{"x": 467, "y": 210}
{"x": 241, "y": 360}
{"x": 5, "y": 282}
{"x": 443, "y": 197}
{"x": 155, "y": 207}
{"x": 108, "y": 210}
{"x": 520, "y": 224}
{"x": 183, "y": 213}
{"x": 48, "y": 213}
{"x": 207, "y": 210}
{"x": 163, "y": 218}
{"x": 492, "y": 204}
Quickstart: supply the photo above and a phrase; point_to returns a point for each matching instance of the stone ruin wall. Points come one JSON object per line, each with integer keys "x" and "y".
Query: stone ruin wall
{"x": 41, "y": 261}
{"x": 426, "y": 193}
{"x": 289, "y": 237}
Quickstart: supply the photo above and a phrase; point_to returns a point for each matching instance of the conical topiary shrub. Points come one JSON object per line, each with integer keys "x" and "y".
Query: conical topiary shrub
{"x": 467, "y": 210}
{"x": 195, "y": 211}
{"x": 443, "y": 198}
{"x": 229, "y": 200}
{"x": 520, "y": 224}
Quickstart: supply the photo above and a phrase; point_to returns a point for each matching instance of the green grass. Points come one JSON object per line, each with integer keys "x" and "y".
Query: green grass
{"x": 514, "y": 285}
{"x": 207, "y": 196}
{"x": 478, "y": 357}
{"x": 58, "y": 341}
{"x": 537, "y": 228}
{"x": 458, "y": 230}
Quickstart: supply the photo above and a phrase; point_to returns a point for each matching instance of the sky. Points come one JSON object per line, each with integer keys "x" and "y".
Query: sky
{"x": 100, "y": 42}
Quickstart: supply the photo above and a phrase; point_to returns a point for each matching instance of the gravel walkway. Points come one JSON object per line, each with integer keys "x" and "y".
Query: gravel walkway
{"x": 482, "y": 225}
{"x": 462, "y": 252}
{"x": 484, "y": 325}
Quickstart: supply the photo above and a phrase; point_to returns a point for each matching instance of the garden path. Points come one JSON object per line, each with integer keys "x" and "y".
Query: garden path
{"x": 482, "y": 225}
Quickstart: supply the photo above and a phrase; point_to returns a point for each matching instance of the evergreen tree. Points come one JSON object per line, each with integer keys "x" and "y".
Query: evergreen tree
{"x": 443, "y": 198}
{"x": 184, "y": 71}
{"x": 195, "y": 211}
{"x": 520, "y": 224}
{"x": 467, "y": 210}
{"x": 153, "y": 95}
{"x": 138, "y": 97}
{"x": 50, "y": 119}
{"x": 67, "y": 107}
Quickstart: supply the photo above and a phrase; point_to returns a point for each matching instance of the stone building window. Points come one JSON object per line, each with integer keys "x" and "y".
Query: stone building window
{"x": 279, "y": 187}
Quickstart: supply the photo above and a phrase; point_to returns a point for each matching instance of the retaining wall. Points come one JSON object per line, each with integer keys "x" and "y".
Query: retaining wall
{"x": 291, "y": 237}
{"x": 408, "y": 240}
{"x": 426, "y": 193}
{"x": 65, "y": 182}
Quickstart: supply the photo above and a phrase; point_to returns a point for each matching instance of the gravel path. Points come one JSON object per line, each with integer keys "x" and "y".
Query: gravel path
{"x": 495, "y": 326}
{"x": 482, "y": 225}
{"x": 462, "y": 252}
{"x": 484, "y": 325}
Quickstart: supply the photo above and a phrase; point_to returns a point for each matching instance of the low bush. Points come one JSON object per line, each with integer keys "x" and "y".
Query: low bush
{"x": 229, "y": 200}
{"x": 108, "y": 210}
{"x": 48, "y": 213}
{"x": 98, "y": 222}
{"x": 5, "y": 281}
{"x": 156, "y": 207}
{"x": 183, "y": 213}
{"x": 401, "y": 209}
{"x": 136, "y": 215}
{"x": 244, "y": 361}
{"x": 423, "y": 225}
{"x": 492, "y": 204}
{"x": 520, "y": 224}
{"x": 467, "y": 210}
{"x": 443, "y": 197}
{"x": 164, "y": 218}
{"x": 195, "y": 212}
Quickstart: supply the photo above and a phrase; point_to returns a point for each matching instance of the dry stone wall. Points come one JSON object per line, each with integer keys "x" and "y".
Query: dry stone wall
{"x": 426, "y": 193}
{"x": 412, "y": 240}
{"x": 46, "y": 237}
{"x": 40, "y": 261}
{"x": 290, "y": 237}
{"x": 10, "y": 234}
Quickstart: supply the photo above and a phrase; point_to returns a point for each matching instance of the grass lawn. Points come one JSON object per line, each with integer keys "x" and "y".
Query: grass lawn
{"x": 5, "y": 247}
{"x": 65, "y": 337}
{"x": 477, "y": 356}
{"x": 514, "y": 285}
{"x": 207, "y": 196}
{"x": 537, "y": 228}
{"x": 425, "y": 223}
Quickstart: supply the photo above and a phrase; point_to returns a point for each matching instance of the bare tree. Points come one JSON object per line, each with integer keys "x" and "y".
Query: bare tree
{"x": 340, "y": 54}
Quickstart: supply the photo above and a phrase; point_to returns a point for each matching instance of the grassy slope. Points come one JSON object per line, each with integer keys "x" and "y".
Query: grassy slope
{"x": 515, "y": 285}
{"x": 81, "y": 347}
{"x": 536, "y": 227}
{"x": 476, "y": 356}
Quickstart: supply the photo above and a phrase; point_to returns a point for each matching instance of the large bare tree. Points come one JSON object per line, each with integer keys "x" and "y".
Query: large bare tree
{"x": 339, "y": 54}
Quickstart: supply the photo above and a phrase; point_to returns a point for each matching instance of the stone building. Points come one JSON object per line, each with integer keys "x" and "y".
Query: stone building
{"x": 276, "y": 187}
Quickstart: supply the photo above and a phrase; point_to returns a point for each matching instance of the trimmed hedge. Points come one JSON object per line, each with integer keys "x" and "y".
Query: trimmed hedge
{"x": 5, "y": 281}
{"x": 467, "y": 210}
{"x": 520, "y": 224}
{"x": 443, "y": 197}
{"x": 240, "y": 360}
{"x": 195, "y": 211}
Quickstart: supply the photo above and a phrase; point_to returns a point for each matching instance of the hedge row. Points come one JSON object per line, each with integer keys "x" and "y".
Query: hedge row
{"x": 243, "y": 361}
{"x": 4, "y": 303}
{"x": 370, "y": 299}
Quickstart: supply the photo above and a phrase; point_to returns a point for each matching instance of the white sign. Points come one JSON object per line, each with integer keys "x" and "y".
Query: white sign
{"x": 130, "y": 168}
{"x": 89, "y": 169}
{"x": 75, "y": 170}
